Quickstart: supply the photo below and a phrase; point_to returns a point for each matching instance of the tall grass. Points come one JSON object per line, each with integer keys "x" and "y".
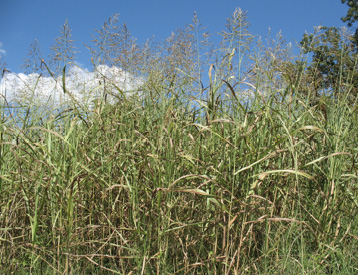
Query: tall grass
{"x": 166, "y": 182}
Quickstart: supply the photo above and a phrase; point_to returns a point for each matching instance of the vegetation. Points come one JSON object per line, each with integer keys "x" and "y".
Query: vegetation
{"x": 334, "y": 57}
{"x": 352, "y": 17}
{"x": 333, "y": 61}
{"x": 243, "y": 171}
{"x": 63, "y": 51}
{"x": 33, "y": 63}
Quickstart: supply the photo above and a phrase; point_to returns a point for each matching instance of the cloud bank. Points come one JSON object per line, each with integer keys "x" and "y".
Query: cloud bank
{"x": 81, "y": 85}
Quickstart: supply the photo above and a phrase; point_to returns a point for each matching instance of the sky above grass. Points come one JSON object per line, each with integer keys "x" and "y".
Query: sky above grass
{"x": 22, "y": 21}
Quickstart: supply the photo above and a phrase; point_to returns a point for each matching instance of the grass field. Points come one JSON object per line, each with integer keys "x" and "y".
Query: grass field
{"x": 245, "y": 177}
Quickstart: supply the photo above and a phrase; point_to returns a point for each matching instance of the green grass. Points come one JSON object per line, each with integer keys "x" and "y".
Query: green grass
{"x": 168, "y": 182}
{"x": 143, "y": 186}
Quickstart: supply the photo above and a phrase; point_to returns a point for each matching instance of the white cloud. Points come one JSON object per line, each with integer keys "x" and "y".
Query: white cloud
{"x": 2, "y": 51}
{"x": 84, "y": 86}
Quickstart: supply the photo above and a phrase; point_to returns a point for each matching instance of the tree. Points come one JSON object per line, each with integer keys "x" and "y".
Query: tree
{"x": 64, "y": 50}
{"x": 352, "y": 17}
{"x": 334, "y": 60}
{"x": 334, "y": 52}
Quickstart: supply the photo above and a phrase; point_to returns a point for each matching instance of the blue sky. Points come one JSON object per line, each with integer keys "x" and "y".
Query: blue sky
{"x": 22, "y": 21}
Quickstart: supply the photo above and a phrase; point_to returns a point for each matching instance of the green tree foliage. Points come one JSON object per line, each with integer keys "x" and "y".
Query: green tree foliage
{"x": 32, "y": 63}
{"x": 63, "y": 51}
{"x": 333, "y": 69}
{"x": 352, "y": 17}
